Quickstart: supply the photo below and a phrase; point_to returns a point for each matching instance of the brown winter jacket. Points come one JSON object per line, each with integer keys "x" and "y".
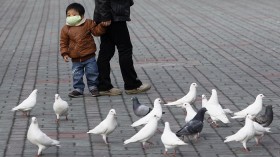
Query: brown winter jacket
{"x": 77, "y": 41}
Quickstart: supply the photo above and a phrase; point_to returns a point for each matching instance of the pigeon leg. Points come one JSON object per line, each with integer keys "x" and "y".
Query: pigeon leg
{"x": 174, "y": 153}
{"x": 24, "y": 113}
{"x": 196, "y": 136}
{"x": 105, "y": 138}
{"x": 214, "y": 124}
{"x": 165, "y": 153}
{"x": 209, "y": 120}
{"x": 258, "y": 139}
{"x": 245, "y": 147}
{"x": 146, "y": 147}
{"x": 159, "y": 131}
{"x": 57, "y": 121}
{"x": 40, "y": 151}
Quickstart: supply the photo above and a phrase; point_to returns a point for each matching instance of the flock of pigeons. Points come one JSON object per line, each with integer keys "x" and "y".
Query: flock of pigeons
{"x": 255, "y": 125}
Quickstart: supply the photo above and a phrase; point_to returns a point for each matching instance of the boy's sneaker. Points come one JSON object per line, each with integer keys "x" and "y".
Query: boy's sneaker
{"x": 75, "y": 94}
{"x": 111, "y": 92}
{"x": 94, "y": 92}
{"x": 141, "y": 89}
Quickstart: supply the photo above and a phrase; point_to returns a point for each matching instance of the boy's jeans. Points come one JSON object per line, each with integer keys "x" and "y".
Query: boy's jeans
{"x": 89, "y": 68}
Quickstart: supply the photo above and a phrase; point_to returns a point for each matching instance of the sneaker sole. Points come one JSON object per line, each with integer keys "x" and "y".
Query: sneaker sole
{"x": 137, "y": 91}
{"x": 109, "y": 94}
{"x": 72, "y": 96}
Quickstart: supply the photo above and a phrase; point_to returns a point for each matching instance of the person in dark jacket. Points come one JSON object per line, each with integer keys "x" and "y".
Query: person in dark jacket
{"x": 116, "y": 13}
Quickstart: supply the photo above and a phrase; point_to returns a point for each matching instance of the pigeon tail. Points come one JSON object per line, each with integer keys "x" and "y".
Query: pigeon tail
{"x": 56, "y": 143}
{"x": 172, "y": 103}
{"x": 236, "y": 117}
{"x": 92, "y": 132}
{"x": 180, "y": 134}
{"x": 224, "y": 119}
{"x": 137, "y": 123}
{"x": 227, "y": 110}
{"x": 127, "y": 141}
{"x": 229, "y": 138}
{"x": 267, "y": 129}
{"x": 181, "y": 143}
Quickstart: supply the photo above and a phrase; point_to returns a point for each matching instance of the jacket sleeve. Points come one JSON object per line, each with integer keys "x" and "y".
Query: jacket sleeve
{"x": 64, "y": 41}
{"x": 104, "y": 9}
{"x": 96, "y": 30}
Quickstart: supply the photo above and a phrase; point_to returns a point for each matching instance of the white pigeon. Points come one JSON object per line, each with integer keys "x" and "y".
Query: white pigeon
{"x": 27, "y": 104}
{"x": 215, "y": 110}
{"x": 259, "y": 131}
{"x": 189, "y": 98}
{"x": 107, "y": 126}
{"x": 190, "y": 112}
{"x": 246, "y": 133}
{"x": 204, "y": 102}
{"x": 37, "y": 137}
{"x": 157, "y": 110}
{"x": 145, "y": 133}
{"x": 170, "y": 140}
{"x": 60, "y": 107}
{"x": 253, "y": 109}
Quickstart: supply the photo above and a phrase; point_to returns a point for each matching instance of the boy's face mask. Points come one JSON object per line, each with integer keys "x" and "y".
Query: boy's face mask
{"x": 73, "y": 20}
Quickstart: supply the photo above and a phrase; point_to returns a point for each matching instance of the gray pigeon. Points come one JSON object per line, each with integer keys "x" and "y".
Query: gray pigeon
{"x": 193, "y": 127}
{"x": 139, "y": 109}
{"x": 266, "y": 119}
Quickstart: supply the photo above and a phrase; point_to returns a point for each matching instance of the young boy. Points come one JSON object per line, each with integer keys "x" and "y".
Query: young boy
{"x": 77, "y": 43}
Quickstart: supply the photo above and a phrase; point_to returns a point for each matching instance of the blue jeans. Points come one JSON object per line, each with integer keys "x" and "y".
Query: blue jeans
{"x": 89, "y": 68}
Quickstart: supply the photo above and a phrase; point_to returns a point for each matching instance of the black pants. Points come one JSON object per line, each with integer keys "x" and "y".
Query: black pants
{"x": 116, "y": 35}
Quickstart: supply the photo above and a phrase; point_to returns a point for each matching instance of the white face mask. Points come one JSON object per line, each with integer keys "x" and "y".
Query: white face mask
{"x": 73, "y": 20}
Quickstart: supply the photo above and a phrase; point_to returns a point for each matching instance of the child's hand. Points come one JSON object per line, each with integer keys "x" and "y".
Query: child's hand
{"x": 106, "y": 23}
{"x": 66, "y": 58}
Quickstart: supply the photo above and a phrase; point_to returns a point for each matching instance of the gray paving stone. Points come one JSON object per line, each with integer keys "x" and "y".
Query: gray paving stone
{"x": 232, "y": 46}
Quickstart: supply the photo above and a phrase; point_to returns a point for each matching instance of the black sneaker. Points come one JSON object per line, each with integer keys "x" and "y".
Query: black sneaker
{"x": 94, "y": 93}
{"x": 75, "y": 94}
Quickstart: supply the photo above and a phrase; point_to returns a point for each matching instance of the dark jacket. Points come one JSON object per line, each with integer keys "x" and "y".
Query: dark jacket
{"x": 115, "y": 10}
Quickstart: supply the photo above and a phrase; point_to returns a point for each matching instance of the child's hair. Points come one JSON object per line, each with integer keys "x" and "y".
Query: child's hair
{"x": 76, "y": 6}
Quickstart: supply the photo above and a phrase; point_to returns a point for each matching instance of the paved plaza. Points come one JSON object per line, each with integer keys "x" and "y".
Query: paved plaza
{"x": 232, "y": 46}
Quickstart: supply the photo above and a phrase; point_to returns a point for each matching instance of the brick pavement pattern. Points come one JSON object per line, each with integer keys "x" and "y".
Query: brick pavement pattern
{"x": 232, "y": 46}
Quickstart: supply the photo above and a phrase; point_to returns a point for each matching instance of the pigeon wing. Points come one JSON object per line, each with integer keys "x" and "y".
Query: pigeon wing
{"x": 195, "y": 126}
{"x": 45, "y": 140}
{"x": 142, "y": 110}
{"x": 171, "y": 139}
{"x": 261, "y": 119}
{"x": 240, "y": 135}
{"x": 192, "y": 127}
{"x": 99, "y": 129}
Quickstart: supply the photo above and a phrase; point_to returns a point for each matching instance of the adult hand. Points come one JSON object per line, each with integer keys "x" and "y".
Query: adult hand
{"x": 66, "y": 58}
{"x": 106, "y": 23}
